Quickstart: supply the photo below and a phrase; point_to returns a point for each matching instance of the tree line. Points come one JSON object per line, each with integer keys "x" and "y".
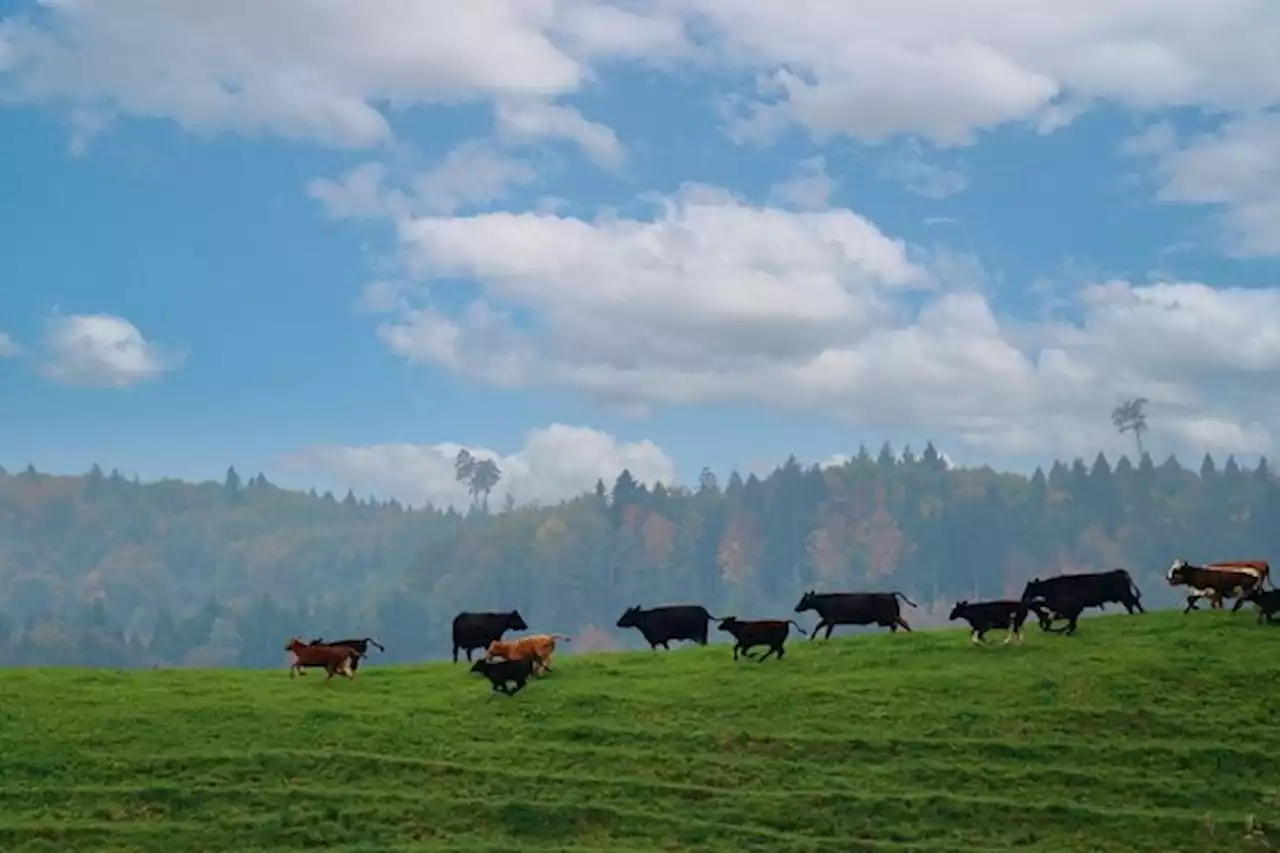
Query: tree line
{"x": 102, "y": 570}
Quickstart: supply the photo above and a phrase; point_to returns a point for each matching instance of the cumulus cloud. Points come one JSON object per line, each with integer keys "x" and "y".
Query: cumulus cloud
{"x": 809, "y": 188}
{"x": 945, "y": 71}
{"x": 555, "y": 463}
{"x": 1234, "y": 169}
{"x": 8, "y": 346}
{"x": 473, "y": 174}
{"x": 101, "y": 350}
{"x": 909, "y": 168}
{"x": 529, "y": 121}
{"x": 315, "y": 70}
{"x": 715, "y": 300}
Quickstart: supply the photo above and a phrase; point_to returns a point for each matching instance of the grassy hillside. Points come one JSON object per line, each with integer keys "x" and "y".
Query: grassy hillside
{"x": 1146, "y": 733}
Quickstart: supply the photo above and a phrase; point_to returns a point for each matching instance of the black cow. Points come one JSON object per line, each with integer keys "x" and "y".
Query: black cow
{"x": 1069, "y": 594}
{"x": 660, "y": 625}
{"x": 473, "y": 631}
{"x": 1268, "y": 601}
{"x": 361, "y": 647}
{"x": 984, "y": 616}
{"x": 499, "y": 672}
{"x": 761, "y": 632}
{"x": 854, "y": 608}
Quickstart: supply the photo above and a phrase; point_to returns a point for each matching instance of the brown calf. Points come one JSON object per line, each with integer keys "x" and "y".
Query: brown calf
{"x": 335, "y": 659}
{"x": 539, "y": 647}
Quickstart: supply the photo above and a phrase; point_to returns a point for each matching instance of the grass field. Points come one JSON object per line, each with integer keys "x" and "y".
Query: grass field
{"x": 1145, "y": 733}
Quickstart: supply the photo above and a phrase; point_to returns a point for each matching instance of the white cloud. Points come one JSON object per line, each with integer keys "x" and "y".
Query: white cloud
{"x": 719, "y": 301}
{"x": 8, "y": 346}
{"x": 1235, "y": 169}
{"x": 359, "y": 194}
{"x": 323, "y": 69}
{"x": 944, "y": 70}
{"x": 809, "y": 188}
{"x": 315, "y": 69}
{"x": 555, "y": 463}
{"x": 101, "y": 350}
{"x": 474, "y": 173}
{"x": 909, "y": 168}
{"x": 529, "y": 121}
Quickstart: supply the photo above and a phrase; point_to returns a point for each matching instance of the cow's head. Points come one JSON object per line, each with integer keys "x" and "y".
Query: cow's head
{"x": 959, "y": 609}
{"x": 1032, "y": 589}
{"x": 294, "y": 644}
{"x": 630, "y": 618}
{"x": 808, "y": 601}
{"x": 515, "y": 622}
{"x": 1176, "y": 569}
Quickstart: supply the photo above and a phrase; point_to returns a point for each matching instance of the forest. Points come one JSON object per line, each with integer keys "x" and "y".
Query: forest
{"x": 102, "y": 570}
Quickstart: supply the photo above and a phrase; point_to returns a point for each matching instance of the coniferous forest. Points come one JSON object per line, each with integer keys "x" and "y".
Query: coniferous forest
{"x": 101, "y": 570}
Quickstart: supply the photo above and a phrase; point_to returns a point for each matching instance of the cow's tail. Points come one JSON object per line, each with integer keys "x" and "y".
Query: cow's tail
{"x": 374, "y": 642}
{"x": 1133, "y": 587}
{"x": 558, "y": 637}
{"x": 709, "y": 616}
{"x": 798, "y": 628}
{"x": 907, "y": 600}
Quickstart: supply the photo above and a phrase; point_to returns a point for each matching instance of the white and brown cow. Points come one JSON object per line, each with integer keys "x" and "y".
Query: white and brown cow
{"x": 1216, "y": 581}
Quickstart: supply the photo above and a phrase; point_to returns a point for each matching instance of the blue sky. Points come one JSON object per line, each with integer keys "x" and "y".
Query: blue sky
{"x": 734, "y": 233}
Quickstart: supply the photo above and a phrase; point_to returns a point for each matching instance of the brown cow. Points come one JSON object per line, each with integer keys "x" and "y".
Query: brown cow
{"x": 539, "y": 647}
{"x": 1215, "y": 581}
{"x": 334, "y": 659}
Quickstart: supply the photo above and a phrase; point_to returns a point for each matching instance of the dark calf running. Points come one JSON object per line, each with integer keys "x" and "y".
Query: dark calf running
{"x": 761, "y": 632}
{"x": 500, "y": 672}
{"x": 473, "y": 631}
{"x": 1268, "y": 601}
{"x": 984, "y": 616}
{"x": 361, "y": 647}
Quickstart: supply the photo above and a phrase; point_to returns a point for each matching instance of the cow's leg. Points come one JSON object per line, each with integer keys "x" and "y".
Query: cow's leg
{"x": 976, "y": 637}
{"x": 1193, "y": 601}
{"x": 779, "y": 651}
{"x": 772, "y": 650}
{"x": 903, "y": 623}
{"x": 1239, "y": 603}
{"x": 831, "y": 626}
{"x": 520, "y": 683}
{"x": 1071, "y": 626}
{"x": 1009, "y": 636}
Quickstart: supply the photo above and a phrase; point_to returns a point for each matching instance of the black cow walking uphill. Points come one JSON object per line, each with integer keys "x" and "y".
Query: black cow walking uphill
{"x": 661, "y": 625}
{"x": 759, "y": 632}
{"x": 854, "y": 608}
{"x": 361, "y": 646}
{"x": 473, "y": 631}
{"x": 1067, "y": 595}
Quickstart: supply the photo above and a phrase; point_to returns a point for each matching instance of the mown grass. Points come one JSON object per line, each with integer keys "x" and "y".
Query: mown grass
{"x": 1146, "y": 733}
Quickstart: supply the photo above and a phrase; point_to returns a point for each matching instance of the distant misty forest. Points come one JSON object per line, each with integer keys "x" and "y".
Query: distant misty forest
{"x": 101, "y": 570}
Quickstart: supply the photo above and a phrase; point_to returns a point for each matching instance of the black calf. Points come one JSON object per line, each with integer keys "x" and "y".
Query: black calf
{"x": 763, "y": 632}
{"x": 984, "y": 616}
{"x": 499, "y": 672}
{"x": 1268, "y": 602}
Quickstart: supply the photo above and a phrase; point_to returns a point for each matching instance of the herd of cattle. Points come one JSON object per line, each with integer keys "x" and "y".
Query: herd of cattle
{"x": 1057, "y": 599}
